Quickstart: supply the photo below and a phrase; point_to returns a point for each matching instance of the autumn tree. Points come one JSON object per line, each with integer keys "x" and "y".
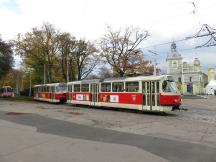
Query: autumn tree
{"x": 6, "y": 57}
{"x": 121, "y": 49}
{"x": 38, "y": 49}
{"x": 59, "y": 54}
{"x": 15, "y": 78}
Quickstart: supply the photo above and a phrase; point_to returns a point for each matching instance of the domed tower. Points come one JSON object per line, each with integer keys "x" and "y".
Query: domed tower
{"x": 174, "y": 61}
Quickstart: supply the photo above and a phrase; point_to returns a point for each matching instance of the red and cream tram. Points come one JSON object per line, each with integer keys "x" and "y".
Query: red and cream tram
{"x": 151, "y": 93}
{"x": 54, "y": 92}
{"x": 6, "y": 91}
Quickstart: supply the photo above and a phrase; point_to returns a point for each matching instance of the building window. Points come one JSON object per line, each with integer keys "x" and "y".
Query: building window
{"x": 174, "y": 64}
{"x": 190, "y": 79}
{"x": 179, "y": 80}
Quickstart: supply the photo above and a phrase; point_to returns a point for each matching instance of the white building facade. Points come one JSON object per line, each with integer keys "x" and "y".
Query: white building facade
{"x": 189, "y": 76}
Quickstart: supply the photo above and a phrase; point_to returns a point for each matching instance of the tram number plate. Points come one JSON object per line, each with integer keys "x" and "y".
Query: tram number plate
{"x": 114, "y": 98}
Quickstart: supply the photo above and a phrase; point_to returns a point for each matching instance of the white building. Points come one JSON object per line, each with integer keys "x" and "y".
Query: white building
{"x": 189, "y": 76}
{"x": 211, "y": 87}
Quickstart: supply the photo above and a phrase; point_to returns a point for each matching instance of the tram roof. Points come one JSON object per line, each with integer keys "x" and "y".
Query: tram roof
{"x": 136, "y": 78}
{"x": 6, "y": 87}
{"x": 49, "y": 84}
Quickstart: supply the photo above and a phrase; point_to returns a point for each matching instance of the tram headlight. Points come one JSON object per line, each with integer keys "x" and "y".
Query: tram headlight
{"x": 176, "y": 100}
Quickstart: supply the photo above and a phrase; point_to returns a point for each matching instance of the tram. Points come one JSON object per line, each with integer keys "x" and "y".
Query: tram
{"x": 147, "y": 93}
{"x": 54, "y": 92}
{"x": 6, "y": 91}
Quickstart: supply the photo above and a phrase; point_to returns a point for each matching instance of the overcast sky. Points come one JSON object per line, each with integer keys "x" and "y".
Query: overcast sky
{"x": 166, "y": 20}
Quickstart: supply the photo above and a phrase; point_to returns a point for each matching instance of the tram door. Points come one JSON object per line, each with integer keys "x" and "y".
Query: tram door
{"x": 150, "y": 94}
{"x": 94, "y": 92}
{"x": 52, "y": 93}
{"x": 70, "y": 92}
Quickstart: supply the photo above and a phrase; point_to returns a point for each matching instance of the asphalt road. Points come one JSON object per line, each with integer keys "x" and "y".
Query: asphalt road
{"x": 172, "y": 150}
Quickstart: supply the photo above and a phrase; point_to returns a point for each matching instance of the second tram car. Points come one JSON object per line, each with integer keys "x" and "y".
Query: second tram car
{"x": 150, "y": 93}
{"x": 6, "y": 91}
{"x": 54, "y": 92}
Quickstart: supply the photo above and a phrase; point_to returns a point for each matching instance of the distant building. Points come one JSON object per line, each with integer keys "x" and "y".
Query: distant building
{"x": 211, "y": 87}
{"x": 189, "y": 76}
{"x": 211, "y": 74}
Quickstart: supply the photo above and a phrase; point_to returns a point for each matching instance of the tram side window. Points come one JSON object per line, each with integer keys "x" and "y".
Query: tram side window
{"x": 118, "y": 86}
{"x": 45, "y": 89}
{"x": 132, "y": 86}
{"x": 85, "y": 88}
{"x": 105, "y": 87}
{"x": 76, "y": 87}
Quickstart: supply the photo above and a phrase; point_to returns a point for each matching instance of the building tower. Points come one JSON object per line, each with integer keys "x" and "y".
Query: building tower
{"x": 174, "y": 61}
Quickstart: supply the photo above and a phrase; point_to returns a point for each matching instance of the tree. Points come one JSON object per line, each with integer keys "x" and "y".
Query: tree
{"x": 120, "y": 49}
{"x": 38, "y": 49}
{"x": 86, "y": 58}
{"x": 6, "y": 57}
{"x": 66, "y": 46}
{"x": 14, "y": 78}
{"x": 104, "y": 72}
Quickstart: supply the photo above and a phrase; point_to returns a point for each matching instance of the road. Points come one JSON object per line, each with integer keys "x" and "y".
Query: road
{"x": 48, "y": 132}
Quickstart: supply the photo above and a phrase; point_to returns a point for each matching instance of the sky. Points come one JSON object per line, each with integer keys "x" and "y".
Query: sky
{"x": 165, "y": 20}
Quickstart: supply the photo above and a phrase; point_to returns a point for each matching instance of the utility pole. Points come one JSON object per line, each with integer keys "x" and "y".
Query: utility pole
{"x": 29, "y": 70}
{"x": 155, "y": 61}
{"x": 44, "y": 73}
{"x": 67, "y": 68}
{"x": 182, "y": 78}
{"x": 30, "y": 83}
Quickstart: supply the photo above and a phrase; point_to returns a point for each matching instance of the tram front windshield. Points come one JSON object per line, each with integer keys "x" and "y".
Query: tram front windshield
{"x": 9, "y": 89}
{"x": 61, "y": 88}
{"x": 169, "y": 86}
